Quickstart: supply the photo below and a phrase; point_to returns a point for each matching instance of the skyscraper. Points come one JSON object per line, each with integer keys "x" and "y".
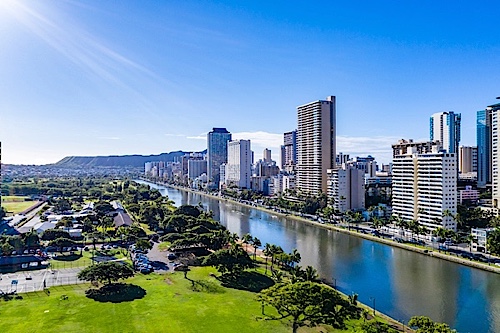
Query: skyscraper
{"x": 267, "y": 155}
{"x": 483, "y": 132}
{"x": 445, "y": 128}
{"x": 289, "y": 149}
{"x": 217, "y": 141}
{"x": 238, "y": 169}
{"x": 316, "y": 143}
{"x": 493, "y": 111}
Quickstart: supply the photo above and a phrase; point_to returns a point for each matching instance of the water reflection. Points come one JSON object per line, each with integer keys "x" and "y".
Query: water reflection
{"x": 403, "y": 283}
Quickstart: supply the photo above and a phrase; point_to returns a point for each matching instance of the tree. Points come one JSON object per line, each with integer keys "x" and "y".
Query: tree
{"x": 61, "y": 243}
{"x": 143, "y": 245}
{"x": 247, "y": 238}
{"x": 106, "y": 272}
{"x": 424, "y": 324}
{"x": 256, "y": 243}
{"x": 493, "y": 241}
{"x": 52, "y": 234}
{"x": 377, "y": 327}
{"x": 308, "y": 304}
{"x": 230, "y": 261}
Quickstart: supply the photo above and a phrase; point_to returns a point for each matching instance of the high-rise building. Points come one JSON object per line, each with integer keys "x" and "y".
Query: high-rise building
{"x": 445, "y": 128}
{"x": 267, "y": 155}
{"x": 238, "y": 170}
{"x": 196, "y": 167}
{"x": 217, "y": 140}
{"x": 346, "y": 186}
{"x": 494, "y": 111}
{"x": 316, "y": 144}
{"x": 483, "y": 132}
{"x": 424, "y": 186}
{"x": 289, "y": 149}
{"x": 467, "y": 159}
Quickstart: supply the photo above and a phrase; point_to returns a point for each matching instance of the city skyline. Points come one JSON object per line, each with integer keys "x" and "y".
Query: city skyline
{"x": 94, "y": 78}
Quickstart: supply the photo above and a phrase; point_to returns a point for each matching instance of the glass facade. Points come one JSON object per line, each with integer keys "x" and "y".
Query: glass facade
{"x": 217, "y": 141}
{"x": 483, "y": 148}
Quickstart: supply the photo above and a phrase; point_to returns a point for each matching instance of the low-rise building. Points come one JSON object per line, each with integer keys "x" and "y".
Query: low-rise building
{"x": 480, "y": 239}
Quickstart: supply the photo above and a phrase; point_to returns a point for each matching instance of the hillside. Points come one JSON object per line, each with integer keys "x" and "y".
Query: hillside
{"x": 117, "y": 161}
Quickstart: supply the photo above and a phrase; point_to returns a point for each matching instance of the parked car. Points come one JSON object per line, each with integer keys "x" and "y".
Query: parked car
{"x": 171, "y": 256}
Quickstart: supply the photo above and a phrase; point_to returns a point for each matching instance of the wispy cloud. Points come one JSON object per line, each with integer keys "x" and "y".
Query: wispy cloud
{"x": 174, "y": 135}
{"x": 197, "y": 137}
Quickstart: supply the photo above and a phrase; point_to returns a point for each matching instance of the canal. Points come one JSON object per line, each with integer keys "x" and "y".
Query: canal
{"x": 401, "y": 282}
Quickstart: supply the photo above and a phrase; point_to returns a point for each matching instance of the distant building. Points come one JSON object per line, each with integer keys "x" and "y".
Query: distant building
{"x": 346, "y": 186}
{"x": 266, "y": 156}
{"x": 239, "y": 164}
{"x": 467, "y": 159}
{"x": 196, "y": 168}
{"x": 445, "y": 128}
{"x": 217, "y": 140}
{"x": 289, "y": 151}
{"x": 480, "y": 239}
{"x": 316, "y": 144}
{"x": 367, "y": 164}
{"x": 468, "y": 195}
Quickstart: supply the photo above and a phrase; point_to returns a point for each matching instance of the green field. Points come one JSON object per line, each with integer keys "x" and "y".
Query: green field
{"x": 67, "y": 260}
{"x": 170, "y": 304}
{"x": 13, "y": 198}
{"x": 17, "y": 207}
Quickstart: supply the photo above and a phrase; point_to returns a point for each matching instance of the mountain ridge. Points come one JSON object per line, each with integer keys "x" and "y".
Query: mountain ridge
{"x": 119, "y": 160}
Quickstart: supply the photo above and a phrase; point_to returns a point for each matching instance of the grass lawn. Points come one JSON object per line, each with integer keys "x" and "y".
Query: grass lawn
{"x": 17, "y": 206}
{"x": 170, "y": 304}
{"x": 68, "y": 260}
{"x": 13, "y": 198}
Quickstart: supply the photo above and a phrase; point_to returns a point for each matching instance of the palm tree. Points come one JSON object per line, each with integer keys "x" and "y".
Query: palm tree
{"x": 247, "y": 238}
{"x": 256, "y": 243}
{"x": 295, "y": 257}
{"x": 277, "y": 276}
{"x": 311, "y": 274}
{"x": 267, "y": 252}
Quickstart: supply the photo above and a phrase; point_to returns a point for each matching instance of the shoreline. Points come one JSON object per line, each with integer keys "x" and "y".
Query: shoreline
{"x": 430, "y": 252}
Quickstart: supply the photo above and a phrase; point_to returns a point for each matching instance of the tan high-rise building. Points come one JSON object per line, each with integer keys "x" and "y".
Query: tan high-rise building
{"x": 316, "y": 142}
{"x": 467, "y": 159}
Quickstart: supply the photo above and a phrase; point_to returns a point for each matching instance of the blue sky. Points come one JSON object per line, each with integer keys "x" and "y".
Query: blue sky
{"x": 109, "y": 77}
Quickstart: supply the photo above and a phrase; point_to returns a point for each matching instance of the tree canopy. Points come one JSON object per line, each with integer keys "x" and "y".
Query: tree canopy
{"x": 423, "y": 324}
{"x": 106, "y": 272}
{"x": 230, "y": 261}
{"x": 308, "y": 304}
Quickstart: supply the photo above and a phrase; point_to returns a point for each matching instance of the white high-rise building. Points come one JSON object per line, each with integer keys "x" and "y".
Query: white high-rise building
{"x": 495, "y": 153}
{"x": 424, "y": 186}
{"x": 316, "y": 142}
{"x": 238, "y": 170}
{"x": 346, "y": 186}
{"x": 445, "y": 128}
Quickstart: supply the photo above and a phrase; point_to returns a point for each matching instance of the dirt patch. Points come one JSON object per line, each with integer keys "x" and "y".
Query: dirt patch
{"x": 168, "y": 281}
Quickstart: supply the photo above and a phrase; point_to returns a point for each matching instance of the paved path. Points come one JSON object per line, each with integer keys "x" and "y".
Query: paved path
{"x": 159, "y": 260}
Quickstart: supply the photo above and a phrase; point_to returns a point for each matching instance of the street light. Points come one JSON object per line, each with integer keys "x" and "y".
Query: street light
{"x": 373, "y": 300}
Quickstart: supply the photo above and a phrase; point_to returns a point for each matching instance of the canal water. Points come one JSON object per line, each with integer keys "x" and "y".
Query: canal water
{"x": 398, "y": 282}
